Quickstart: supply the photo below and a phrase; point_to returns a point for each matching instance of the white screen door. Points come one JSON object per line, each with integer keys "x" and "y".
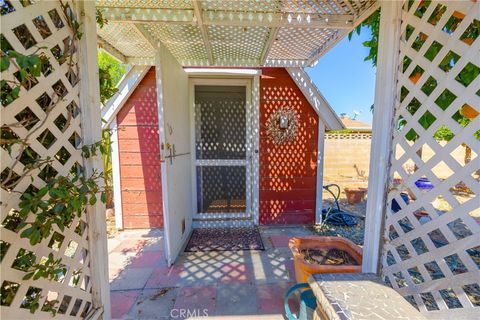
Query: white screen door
{"x": 222, "y": 151}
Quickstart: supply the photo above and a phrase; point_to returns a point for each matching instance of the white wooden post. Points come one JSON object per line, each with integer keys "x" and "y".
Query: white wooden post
{"x": 92, "y": 132}
{"x": 320, "y": 158}
{"x": 385, "y": 97}
{"x": 256, "y": 149}
{"x": 117, "y": 182}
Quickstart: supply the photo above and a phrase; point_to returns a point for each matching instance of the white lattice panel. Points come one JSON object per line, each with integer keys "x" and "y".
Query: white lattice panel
{"x": 432, "y": 231}
{"x": 299, "y": 44}
{"x": 237, "y": 45}
{"x": 184, "y": 42}
{"x": 231, "y": 33}
{"x": 49, "y": 104}
{"x": 127, "y": 39}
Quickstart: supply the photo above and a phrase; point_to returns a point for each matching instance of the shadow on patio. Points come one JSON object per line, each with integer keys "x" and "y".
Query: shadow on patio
{"x": 243, "y": 283}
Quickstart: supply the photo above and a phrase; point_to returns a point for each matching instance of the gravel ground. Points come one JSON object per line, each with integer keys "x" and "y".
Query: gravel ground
{"x": 355, "y": 233}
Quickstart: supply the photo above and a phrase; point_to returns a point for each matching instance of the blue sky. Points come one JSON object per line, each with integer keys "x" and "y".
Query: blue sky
{"x": 345, "y": 80}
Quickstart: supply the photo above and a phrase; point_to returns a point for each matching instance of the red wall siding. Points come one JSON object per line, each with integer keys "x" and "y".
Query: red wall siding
{"x": 288, "y": 171}
{"x": 138, "y": 144}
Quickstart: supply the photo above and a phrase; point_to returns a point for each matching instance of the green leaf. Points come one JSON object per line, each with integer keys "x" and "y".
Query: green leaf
{"x": 42, "y": 192}
{"x": 76, "y": 203}
{"x": 28, "y": 275}
{"x": 22, "y": 61}
{"x": 37, "y": 275}
{"x": 15, "y": 92}
{"x": 93, "y": 200}
{"x": 58, "y": 208}
{"x": 24, "y": 211}
{"x": 35, "y": 237}
{"x": 4, "y": 63}
{"x": 23, "y": 75}
{"x": 27, "y": 233}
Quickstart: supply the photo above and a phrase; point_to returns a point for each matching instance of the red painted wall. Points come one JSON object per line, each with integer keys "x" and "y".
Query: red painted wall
{"x": 138, "y": 144}
{"x": 288, "y": 171}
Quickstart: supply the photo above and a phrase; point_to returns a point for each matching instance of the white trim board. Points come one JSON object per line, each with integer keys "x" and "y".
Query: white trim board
{"x": 117, "y": 180}
{"x": 320, "y": 160}
{"x": 126, "y": 87}
{"x": 223, "y": 72}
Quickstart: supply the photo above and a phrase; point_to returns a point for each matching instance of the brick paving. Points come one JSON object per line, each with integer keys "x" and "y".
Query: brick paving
{"x": 219, "y": 285}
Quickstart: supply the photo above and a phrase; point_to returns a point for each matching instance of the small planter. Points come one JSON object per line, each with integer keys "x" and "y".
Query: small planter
{"x": 468, "y": 41}
{"x": 355, "y": 196}
{"x": 469, "y": 112}
{"x": 303, "y": 268}
{"x": 414, "y": 78}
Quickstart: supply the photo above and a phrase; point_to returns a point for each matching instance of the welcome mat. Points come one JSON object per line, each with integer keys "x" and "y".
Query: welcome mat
{"x": 225, "y": 239}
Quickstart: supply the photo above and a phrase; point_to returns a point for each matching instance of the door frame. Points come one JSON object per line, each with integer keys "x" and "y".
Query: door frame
{"x": 252, "y": 147}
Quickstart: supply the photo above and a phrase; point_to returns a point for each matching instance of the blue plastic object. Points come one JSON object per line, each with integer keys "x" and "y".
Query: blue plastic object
{"x": 396, "y": 206}
{"x": 308, "y": 302}
{"x": 424, "y": 184}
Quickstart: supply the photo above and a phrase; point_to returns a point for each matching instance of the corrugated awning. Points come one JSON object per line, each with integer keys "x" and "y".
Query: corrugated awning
{"x": 235, "y": 33}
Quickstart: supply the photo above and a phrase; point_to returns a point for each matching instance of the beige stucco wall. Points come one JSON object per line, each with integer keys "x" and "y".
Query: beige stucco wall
{"x": 345, "y": 151}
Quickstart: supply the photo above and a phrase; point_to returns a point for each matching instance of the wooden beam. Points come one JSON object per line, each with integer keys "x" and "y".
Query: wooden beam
{"x": 114, "y": 52}
{"x": 154, "y": 43}
{"x": 197, "y": 8}
{"x": 134, "y": 15}
{"x": 381, "y": 147}
{"x": 92, "y": 133}
{"x": 228, "y": 18}
{"x": 277, "y": 20}
{"x": 268, "y": 45}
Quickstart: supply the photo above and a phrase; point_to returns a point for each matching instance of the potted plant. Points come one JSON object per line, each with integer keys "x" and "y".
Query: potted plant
{"x": 315, "y": 254}
{"x": 355, "y": 195}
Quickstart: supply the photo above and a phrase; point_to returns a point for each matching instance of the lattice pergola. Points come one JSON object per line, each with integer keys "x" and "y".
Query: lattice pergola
{"x": 229, "y": 33}
{"x": 428, "y": 85}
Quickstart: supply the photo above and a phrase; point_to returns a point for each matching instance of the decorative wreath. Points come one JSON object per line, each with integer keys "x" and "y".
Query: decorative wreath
{"x": 278, "y": 134}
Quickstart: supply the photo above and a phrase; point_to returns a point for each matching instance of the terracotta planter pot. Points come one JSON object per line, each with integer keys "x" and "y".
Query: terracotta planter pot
{"x": 469, "y": 112}
{"x": 414, "y": 78}
{"x": 420, "y": 214}
{"x": 355, "y": 196}
{"x": 304, "y": 269}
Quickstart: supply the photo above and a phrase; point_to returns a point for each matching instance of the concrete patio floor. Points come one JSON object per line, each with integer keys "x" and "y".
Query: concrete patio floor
{"x": 215, "y": 285}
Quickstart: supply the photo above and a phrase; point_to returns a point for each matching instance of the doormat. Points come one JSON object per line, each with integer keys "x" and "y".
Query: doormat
{"x": 225, "y": 239}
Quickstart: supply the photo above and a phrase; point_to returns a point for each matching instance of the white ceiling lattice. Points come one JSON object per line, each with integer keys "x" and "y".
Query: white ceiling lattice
{"x": 229, "y": 33}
